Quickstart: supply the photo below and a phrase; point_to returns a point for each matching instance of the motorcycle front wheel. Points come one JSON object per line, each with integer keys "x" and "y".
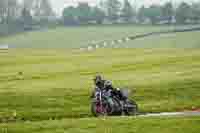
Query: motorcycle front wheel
{"x": 133, "y": 110}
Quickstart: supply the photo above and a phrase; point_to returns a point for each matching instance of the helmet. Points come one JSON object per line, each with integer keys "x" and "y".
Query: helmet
{"x": 98, "y": 78}
{"x": 107, "y": 84}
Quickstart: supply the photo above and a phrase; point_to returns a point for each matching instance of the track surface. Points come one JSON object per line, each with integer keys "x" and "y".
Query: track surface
{"x": 104, "y": 43}
{"x": 186, "y": 113}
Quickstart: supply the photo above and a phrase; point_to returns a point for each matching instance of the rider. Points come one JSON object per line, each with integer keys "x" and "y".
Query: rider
{"x": 114, "y": 91}
{"x": 99, "y": 84}
{"x": 99, "y": 81}
{"x": 106, "y": 85}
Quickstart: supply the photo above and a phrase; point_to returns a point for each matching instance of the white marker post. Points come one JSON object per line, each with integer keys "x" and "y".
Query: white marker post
{"x": 90, "y": 48}
{"x": 97, "y": 46}
{"x": 120, "y": 41}
{"x": 4, "y": 47}
{"x": 82, "y": 49}
{"x": 113, "y": 43}
{"x": 104, "y": 44}
{"x": 127, "y": 39}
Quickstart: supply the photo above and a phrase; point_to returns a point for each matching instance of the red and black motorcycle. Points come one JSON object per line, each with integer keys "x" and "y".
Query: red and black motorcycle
{"x": 103, "y": 103}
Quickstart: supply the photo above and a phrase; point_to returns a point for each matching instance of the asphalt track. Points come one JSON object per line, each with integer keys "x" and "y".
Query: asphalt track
{"x": 166, "y": 114}
{"x": 101, "y": 44}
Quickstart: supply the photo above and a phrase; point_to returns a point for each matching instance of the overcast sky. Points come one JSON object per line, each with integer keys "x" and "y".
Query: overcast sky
{"x": 58, "y": 5}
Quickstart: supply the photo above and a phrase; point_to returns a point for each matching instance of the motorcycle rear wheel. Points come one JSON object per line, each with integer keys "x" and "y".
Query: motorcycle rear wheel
{"x": 104, "y": 112}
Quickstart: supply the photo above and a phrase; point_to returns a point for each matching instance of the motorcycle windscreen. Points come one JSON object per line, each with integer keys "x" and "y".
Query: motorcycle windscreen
{"x": 125, "y": 92}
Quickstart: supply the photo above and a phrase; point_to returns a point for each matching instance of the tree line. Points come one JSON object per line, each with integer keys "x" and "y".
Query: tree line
{"x": 29, "y": 12}
{"x": 35, "y": 14}
{"x": 114, "y": 11}
{"x": 22, "y": 15}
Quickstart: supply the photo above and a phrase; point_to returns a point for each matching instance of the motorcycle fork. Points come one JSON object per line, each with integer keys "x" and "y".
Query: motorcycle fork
{"x": 101, "y": 104}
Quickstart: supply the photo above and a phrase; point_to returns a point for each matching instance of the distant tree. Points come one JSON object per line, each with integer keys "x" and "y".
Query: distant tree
{"x": 9, "y": 13}
{"x": 141, "y": 15}
{"x": 98, "y": 15}
{"x": 153, "y": 13}
{"x": 183, "y": 13}
{"x": 84, "y": 12}
{"x": 168, "y": 12}
{"x": 28, "y": 4}
{"x": 3, "y": 7}
{"x": 70, "y": 15}
{"x": 42, "y": 8}
{"x": 195, "y": 12}
{"x": 46, "y": 7}
{"x": 113, "y": 9}
{"x": 102, "y": 5}
{"x": 10, "y": 10}
{"x": 127, "y": 11}
{"x": 26, "y": 17}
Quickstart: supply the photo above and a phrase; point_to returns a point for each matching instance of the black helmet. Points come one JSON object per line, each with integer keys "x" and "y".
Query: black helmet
{"x": 98, "y": 78}
{"x": 107, "y": 84}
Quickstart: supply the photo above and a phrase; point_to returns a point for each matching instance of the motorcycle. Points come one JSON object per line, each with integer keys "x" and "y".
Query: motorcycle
{"x": 103, "y": 103}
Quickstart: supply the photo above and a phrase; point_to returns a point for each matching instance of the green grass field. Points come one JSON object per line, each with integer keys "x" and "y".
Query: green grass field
{"x": 76, "y": 37}
{"x": 57, "y": 83}
{"x": 46, "y": 84}
{"x": 109, "y": 125}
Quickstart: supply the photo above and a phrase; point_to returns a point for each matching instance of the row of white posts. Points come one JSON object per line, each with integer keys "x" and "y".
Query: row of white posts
{"x": 3, "y": 47}
{"x": 105, "y": 44}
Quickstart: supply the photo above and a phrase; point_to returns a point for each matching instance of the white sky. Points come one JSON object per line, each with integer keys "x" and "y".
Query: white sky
{"x": 58, "y": 5}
